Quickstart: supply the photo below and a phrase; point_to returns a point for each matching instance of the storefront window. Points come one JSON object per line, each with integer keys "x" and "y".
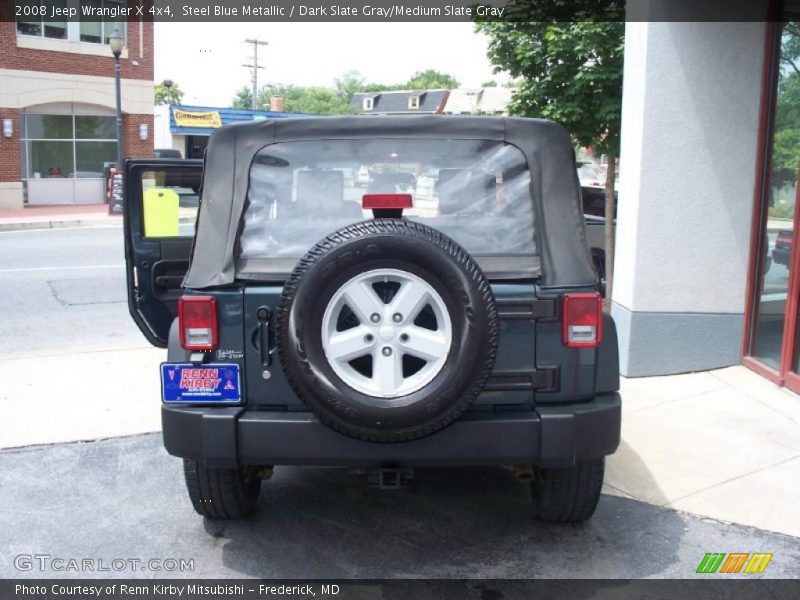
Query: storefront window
{"x": 90, "y": 127}
{"x": 34, "y": 19}
{"x": 48, "y": 127}
{"x": 31, "y": 22}
{"x": 51, "y": 159}
{"x": 97, "y": 32}
{"x": 92, "y": 31}
{"x": 110, "y": 24}
{"x": 61, "y": 146}
{"x": 90, "y": 157}
{"x": 23, "y": 159}
{"x": 781, "y": 197}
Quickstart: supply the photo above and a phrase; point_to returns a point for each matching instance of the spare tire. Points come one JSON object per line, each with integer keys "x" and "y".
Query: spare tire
{"x": 387, "y": 330}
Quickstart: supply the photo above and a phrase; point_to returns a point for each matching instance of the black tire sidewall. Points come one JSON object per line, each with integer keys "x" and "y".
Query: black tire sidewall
{"x": 418, "y": 250}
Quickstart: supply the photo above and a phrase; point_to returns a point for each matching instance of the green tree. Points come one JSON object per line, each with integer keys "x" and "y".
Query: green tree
{"x": 168, "y": 92}
{"x": 490, "y": 83}
{"x": 243, "y": 98}
{"x": 567, "y": 60}
{"x": 349, "y": 83}
{"x": 382, "y": 87}
{"x": 786, "y": 139}
{"x": 431, "y": 79}
{"x": 309, "y": 100}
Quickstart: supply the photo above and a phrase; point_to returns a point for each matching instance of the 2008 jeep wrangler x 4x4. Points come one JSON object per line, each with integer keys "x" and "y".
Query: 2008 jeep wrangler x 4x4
{"x": 443, "y": 312}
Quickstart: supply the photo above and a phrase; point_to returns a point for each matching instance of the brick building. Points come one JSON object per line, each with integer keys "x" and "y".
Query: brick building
{"x": 58, "y": 106}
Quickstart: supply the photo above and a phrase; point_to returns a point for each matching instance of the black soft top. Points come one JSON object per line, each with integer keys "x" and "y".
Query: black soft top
{"x": 555, "y": 190}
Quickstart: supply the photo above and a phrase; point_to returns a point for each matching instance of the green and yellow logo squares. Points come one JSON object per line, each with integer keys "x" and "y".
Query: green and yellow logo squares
{"x": 734, "y": 562}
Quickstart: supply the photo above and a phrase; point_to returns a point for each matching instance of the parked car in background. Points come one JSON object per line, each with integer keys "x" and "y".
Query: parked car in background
{"x": 781, "y": 253}
{"x": 594, "y": 212}
{"x": 167, "y": 153}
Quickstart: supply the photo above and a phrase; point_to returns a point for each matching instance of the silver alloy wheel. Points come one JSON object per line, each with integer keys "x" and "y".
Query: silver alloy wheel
{"x": 386, "y": 332}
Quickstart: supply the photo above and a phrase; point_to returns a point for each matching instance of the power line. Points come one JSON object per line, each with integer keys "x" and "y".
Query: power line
{"x": 255, "y": 67}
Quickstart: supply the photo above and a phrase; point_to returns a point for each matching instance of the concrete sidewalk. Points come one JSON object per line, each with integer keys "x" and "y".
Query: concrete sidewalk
{"x": 53, "y": 216}
{"x": 723, "y": 444}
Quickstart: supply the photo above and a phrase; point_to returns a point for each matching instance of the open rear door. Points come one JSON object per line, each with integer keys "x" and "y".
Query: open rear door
{"x": 162, "y": 197}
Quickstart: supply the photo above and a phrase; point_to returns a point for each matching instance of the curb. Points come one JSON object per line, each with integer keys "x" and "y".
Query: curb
{"x": 58, "y": 224}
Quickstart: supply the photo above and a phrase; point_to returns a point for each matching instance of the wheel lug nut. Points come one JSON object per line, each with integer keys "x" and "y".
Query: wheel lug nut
{"x": 403, "y": 337}
{"x": 386, "y": 351}
{"x": 375, "y": 317}
{"x": 368, "y": 338}
{"x": 397, "y": 317}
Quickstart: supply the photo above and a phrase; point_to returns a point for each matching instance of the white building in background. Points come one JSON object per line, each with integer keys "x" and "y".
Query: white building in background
{"x": 58, "y": 105}
{"x": 701, "y": 278}
{"x": 187, "y": 128}
{"x": 479, "y": 101}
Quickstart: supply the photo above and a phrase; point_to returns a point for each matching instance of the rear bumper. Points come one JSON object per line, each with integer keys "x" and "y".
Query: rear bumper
{"x": 552, "y": 436}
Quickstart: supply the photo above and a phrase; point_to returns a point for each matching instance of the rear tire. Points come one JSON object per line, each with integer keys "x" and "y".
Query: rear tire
{"x": 221, "y": 493}
{"x": 568, "y": 495}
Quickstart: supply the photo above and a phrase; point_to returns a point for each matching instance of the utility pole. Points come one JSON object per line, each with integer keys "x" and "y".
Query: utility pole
{"x": 254, "y": 66}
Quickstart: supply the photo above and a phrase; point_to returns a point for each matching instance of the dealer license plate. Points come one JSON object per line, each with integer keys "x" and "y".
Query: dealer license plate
{"x": 215, "y": 383}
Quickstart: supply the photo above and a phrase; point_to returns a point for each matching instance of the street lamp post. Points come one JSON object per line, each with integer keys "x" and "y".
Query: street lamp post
{"x": 116, "y": 43}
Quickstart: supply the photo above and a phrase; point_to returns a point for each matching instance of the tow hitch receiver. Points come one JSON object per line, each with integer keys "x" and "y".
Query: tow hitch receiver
{"x": 389, "y": 478}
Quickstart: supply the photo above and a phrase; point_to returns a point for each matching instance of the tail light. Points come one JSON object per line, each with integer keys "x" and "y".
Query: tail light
{"x": 197, "y": 320}
{"x": 583, "y": 318}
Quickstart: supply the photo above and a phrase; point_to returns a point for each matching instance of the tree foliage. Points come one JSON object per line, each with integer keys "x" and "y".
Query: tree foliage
{"x": 431, "y": 79}
{"x": 243, "y": 98}
{"x": 168, "y": 92}
{"x": 786, "y": 139}
{"x": 569, "y": 71}
{"x": 296, "y": 99}
{"x": 301, "y": 99}
{"x": 349, "y": 83}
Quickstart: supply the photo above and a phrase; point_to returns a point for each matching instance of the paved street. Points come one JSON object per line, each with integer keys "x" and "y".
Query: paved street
{"x": 125, "y": 498}
{"x": 71, "y": 357}
{"x": 66, "y": 290}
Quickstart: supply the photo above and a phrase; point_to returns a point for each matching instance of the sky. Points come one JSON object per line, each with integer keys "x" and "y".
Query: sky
{"x": 205, "y": 59}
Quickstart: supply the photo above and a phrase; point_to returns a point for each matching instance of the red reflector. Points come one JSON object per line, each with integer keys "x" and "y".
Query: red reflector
{"x": 197, "y": 321}
{"x": 583, "y": 319}
{"x": 373, "y": 201}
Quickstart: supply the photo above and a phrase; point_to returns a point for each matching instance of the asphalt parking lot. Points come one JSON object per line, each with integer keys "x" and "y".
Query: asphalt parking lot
{"x": 125, "y": 498}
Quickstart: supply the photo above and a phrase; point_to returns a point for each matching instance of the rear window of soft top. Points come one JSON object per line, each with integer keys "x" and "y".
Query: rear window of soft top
{"x": 475, "y": 191}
